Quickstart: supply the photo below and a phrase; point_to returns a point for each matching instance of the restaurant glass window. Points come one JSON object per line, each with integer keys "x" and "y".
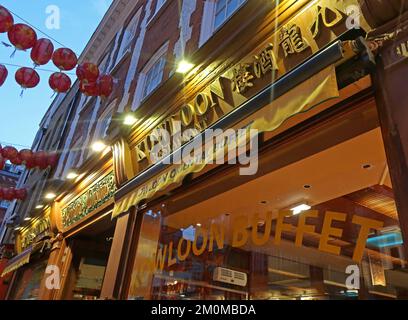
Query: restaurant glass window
{"x": 90, "y": 253}
{"x": 323, "y": 227}
{"x": 28, "y": 280}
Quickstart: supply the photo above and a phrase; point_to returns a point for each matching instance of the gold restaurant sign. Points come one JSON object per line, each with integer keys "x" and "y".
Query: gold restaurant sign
{"x": 304, "y": 35}
{"x": 316, "y": 90}
{"x": 314, "y": 27}
{"x": 207, "y": 240}
{"x": 93, "y": 198}
{"x": 39, "y": 227}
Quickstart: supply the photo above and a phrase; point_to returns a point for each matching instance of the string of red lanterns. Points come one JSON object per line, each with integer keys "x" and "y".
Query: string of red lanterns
{"x": 10, "y": 194}
{"x": 24, "y": 37}
{"x": 40, "y": 159}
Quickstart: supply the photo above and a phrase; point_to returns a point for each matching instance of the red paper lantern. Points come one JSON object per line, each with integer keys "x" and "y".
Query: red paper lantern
{"x": 20, "y": 194}
{"x": 59, "y": 82}
{"x": 22, "y": 36}
{"x": 30, "y": 164}
{"x": 6, "y": 20}
{"x": 52, "y": 160}
{"x": 27, "y": 77}
{"x": 9, "y": 152}
{"x": 42, "y": 52}
{"x": 2, "y": 162}
{"x": 87, "y": 71}
{"x": 8, "y": 194}
{"x": 90, "y": 89}
{"x": 25, "y": 155}
{"x": 41, "y": 159}
{"x": 105, "y": 85}
{"x": 65, "y": 59}
{"x": 3, "y": 74}
{"x": 16, "y": 160}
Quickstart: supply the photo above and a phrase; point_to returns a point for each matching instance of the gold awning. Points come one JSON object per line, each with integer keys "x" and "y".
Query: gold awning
{"x": 313, "y": 92}
{"x": 17, "y": 262}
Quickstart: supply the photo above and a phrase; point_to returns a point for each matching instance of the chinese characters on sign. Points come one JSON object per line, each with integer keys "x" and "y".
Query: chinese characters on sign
{"x": 302, "y": 34}
{"x": 402, "y": 49}
{"x": 38, "y": 228}
{"x": 265, "y": 62}
{"x": 244, "y": 73}
{"x": 97, "y": 195}
{"x": 291, "y": 41}
{"x": 242, "y": 79}
{"x": 328, "y": 17}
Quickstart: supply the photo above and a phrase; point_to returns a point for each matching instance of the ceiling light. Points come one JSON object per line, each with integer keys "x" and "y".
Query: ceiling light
{"x": 98, "y": 146}
{"x": 129, "y": 120}
{"x": 27, "y": 219}
{"x": 199, "y": 225}
{"x": 17, "y": 228}
{"x": 50, "y": 196}
{"x": 72, "y": 175}
{"x": 300, "y": 208}
{"x": 184, "y": 67}
{"x": 40, "y": 206}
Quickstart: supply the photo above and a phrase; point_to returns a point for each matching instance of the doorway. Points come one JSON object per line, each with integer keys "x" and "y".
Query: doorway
{"x": 90, "y": 249}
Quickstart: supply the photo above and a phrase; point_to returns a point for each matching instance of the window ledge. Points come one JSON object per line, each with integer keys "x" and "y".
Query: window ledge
{"x": 157, "y": 14}
{"x": 119, "y": 62}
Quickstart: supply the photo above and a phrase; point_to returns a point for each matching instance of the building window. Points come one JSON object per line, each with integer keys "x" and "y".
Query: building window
{"x": 152, "y": 74}
{"x": 224, "y": 9}
{"x": 159, "y": 4}
{"x": 129, "y": 35}
{"x": 104, "y": 121}
{"x": 4, "y": 204}
{"x": 216, "y": 13}
{"x": 103, "y": 66}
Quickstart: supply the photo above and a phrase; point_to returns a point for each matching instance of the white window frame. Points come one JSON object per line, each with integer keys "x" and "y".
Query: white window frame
{"x": 208, "y": 22}
{"x": 158, "y": 58}
{"x": 159, "y": 5}
{"x": 128, "y": 36}
{"x": 103, "y": 121}
{"x": 104, "y": 65}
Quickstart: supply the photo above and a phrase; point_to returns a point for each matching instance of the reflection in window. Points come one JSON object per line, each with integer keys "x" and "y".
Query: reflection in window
{"x": 159, "y": 5}
{"x": 129, "y": 35}
{"x": 224, "y": 9}
{"x": 154, "y": 76}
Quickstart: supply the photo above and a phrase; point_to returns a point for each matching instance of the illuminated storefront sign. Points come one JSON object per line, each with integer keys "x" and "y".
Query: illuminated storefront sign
{"x": 247, "y": 231}
{"x": 316, "y": 90}
{"x": 93, "y": 198}
{"x": 402, "y": 49}
{"x": 38, "y": 228}
{"x": 301, "y": 37}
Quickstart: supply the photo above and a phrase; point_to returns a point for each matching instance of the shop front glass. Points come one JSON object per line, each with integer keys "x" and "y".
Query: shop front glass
{"x": 28, "y": 281}
{"x": 325, "y": 227}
